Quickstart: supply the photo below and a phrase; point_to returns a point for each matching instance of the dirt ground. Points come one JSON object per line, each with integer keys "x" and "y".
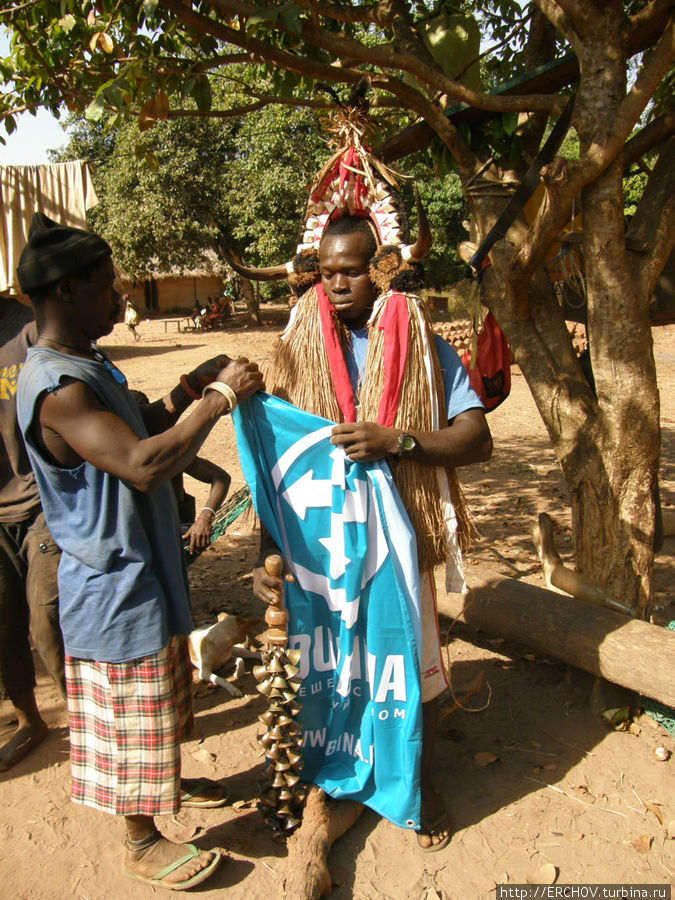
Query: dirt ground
{"x": 537, "y": 786}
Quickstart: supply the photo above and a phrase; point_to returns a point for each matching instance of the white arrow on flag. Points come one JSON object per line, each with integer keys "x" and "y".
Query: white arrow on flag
{"x": 308, "y": 491}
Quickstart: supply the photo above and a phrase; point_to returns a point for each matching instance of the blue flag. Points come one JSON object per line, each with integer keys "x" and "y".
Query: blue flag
{"x": 354, "y": 606}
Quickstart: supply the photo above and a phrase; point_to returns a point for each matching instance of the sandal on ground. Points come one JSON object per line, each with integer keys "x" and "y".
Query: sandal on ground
{"x": 158, "y": 879}
{"x": 204, "y": 786}
{"x": 440, "y": 823}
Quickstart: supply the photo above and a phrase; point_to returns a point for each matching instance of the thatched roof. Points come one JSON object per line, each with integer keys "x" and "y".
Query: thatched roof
{"x": 213, "y": 266}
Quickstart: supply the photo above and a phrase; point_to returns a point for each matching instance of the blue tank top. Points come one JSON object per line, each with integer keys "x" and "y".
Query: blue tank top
{"x": 123, "y": 588}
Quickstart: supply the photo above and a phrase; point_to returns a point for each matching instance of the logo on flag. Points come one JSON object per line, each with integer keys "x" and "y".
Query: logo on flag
{"x": 354, "y": 605}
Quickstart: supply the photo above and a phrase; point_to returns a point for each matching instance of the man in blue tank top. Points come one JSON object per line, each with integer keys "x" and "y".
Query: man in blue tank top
{"x": 104, "y": 470}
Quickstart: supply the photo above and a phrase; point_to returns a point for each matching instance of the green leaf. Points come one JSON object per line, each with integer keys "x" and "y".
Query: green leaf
{"x": 94, "y": 112}
{"x": 509, "y": 123}
{"x": 267, "y": 16}
{"x": 67, "y": 22}
{"x": 112, "y": 91}
{"x": 139, "y": 151}
{"x": 150, "y": 8}
{"x": 188, "y": 86}
{"x": 10, "y": 124}
{"x": 465, "y": 131}
{"x": 151, "y": 161}
{"x": 291, "y": 18}
{"x": 201, "y": 93}
{"x": 106, "y": 42}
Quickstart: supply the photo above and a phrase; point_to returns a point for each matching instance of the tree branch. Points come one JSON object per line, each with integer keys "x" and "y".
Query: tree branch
{"x": 654, "y": 221}
{"x": 564, "y": 180}
{"x": 238, "y": 111}
{"x": 349, "y": 15}
{"x": 655, "y": 10}
{"x": 388, "y": 58}
{"x": 556, "y": 15}
{"x": 407, "y": 37}
{"x": 341, "y": 46}
{"x": 29, "y": 43}
{"x": 13, "y": 9}
{"x": 433, "y": 115}
{"x": 657, "y": 131}
{"x": 582, "y": 15}
{"x": 540, "y": 49}
{"x": 632, "y": 106}
{"x": 352, "y": 15}
{"x": 258, "y": 50}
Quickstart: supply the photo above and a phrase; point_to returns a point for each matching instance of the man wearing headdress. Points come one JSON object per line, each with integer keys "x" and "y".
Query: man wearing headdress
{"x": 359, "y": 350}
{"x": 103, "y": 467}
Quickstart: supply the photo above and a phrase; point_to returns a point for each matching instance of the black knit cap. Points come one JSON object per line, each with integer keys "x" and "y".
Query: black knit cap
{"x": 54, "y": 251}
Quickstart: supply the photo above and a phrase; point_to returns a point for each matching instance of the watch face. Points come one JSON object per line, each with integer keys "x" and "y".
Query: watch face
{"x": 406, "y": 443}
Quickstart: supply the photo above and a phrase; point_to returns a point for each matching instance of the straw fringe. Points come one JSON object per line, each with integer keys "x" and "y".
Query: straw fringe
{"x": 300, "y": 370}
{"x": 417, "y": 483}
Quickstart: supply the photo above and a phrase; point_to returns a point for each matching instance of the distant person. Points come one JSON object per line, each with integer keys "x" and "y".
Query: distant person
{"x": 29, "y": 558}
{"x": 219, "y": 313}
{"x": 131, "y": 317}
{"x": 103, "y": 470}
{"x": 198, "y": 313}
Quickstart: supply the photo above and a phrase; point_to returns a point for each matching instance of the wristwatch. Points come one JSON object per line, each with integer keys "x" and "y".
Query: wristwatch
{"x": 406, "y": 444}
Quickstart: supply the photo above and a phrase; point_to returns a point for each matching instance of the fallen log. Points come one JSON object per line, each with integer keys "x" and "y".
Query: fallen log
{"x": 635, "y": 654}
{"x": 324, "y": 820}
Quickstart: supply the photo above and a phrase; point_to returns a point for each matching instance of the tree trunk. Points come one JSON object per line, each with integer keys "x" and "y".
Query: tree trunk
{"x": 249, "y": 296}
{"x": 614, "y": 512}
{"x": 606, "y": 437}
{"x": 248, "y": 293}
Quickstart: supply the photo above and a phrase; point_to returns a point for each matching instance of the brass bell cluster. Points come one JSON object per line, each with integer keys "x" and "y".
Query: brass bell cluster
{"x": 282, "y": 795}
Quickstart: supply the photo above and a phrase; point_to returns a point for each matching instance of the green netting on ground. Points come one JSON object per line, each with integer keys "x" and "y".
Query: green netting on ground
{"x": 233, "y": 507}
{"x": 662, "y": 714}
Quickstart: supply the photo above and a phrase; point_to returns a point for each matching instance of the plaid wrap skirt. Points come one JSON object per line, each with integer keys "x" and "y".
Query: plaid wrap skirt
{"x": 126, "y": 724}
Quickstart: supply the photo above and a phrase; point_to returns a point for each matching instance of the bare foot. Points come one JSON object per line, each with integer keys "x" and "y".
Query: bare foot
{"x": 149, "y": 862}
{"x": 435, "y": 831}
{"x": 24, "y": 739}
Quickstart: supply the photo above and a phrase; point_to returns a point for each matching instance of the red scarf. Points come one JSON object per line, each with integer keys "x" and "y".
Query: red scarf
{"x": 395, "y": 325}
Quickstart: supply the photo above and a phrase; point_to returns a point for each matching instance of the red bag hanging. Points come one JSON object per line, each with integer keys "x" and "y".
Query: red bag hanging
{"x": 491, "y": 375}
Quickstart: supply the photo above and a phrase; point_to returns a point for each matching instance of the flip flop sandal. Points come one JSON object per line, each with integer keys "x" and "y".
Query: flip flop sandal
{"x": 190, "y": 798}
{"x": 441, "y": 822}
{"x": 158, "y": 879}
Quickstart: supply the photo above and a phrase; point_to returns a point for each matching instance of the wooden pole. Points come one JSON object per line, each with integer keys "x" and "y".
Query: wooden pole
{"x": 635, "y": 654}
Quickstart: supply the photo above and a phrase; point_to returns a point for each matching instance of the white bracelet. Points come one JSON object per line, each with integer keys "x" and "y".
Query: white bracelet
{"x": 225, "y": 390}
{"x": 208, "y": 509}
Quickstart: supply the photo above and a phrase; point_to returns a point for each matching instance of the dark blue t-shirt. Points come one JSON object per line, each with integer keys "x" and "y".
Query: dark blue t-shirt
{"x": 123, "y": 588}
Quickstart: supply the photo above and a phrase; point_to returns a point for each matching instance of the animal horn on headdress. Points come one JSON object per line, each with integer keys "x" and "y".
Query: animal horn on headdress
{"x": 422, "y": 245}
{"x": 263, "y": 273}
